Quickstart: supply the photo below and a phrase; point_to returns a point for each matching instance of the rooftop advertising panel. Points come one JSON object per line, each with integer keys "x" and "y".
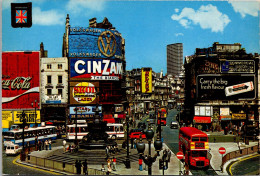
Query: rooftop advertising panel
{"x": 217, "y": 87}
{"x": 20, "y": 79}
{"x": 95, "y": 69}
{"x": 94, "y": 43}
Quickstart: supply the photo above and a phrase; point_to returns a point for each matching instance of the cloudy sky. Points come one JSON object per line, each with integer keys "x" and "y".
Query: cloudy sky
{"x": 147, "y": 26}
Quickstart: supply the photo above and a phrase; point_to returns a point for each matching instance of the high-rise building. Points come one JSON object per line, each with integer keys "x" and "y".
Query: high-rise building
{"x": 174, "y": 58}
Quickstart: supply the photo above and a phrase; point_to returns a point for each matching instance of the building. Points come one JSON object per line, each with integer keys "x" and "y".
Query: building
{"x": 221, "y": 87}
{"x": 96, "y": 64}
{"x": 174, "y": 58}
{"x": 54, "y": 89}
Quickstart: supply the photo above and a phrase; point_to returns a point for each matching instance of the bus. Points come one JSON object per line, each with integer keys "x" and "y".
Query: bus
{"x": 114, "y": 130}
{"x": 194, "y": 145}
{"x": 162, "y": 117}
{"x": 15, "y": 136}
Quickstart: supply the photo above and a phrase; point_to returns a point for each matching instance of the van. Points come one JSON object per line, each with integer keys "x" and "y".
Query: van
{"x": 12, "y": 149}
{"x": 174, "y": 125}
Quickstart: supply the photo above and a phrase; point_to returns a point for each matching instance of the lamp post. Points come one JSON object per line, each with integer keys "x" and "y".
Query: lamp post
{"x": 141, "y": 148}
{"x": 34, "y": 105}
{"x": 76, "y": 128}
{"x": 159, "y": 125}
{"x": 22, "y": 156}
{"x": 127, "y": 161}
{"x": 246, "y": 140}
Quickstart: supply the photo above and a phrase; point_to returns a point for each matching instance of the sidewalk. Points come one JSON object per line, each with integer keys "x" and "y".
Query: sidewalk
{"x": 216, "y": 159}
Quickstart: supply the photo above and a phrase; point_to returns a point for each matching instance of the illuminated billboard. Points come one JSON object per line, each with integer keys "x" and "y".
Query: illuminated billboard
{"x": 29, "y": 115}
{"x": 20, "y": 79}
{"x": 95, "y": 69}
{"x": 94, "y": 43}
{"x": 84, "y": 112}
{"x": 83, "y": 92}
{"x": 146, "y": 80}
{"x": 232, "y": 87}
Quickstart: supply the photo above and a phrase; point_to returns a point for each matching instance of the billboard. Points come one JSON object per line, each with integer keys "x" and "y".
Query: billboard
{"x": 146, "y": 80}
{"x": 20, "y": 79}
{"x": 238, "y": 66}
{"x": 83, "y": 92}
{"x": 232, "y": 87}
{"x": 29, "y": 115}
{"x": 95, "y": 69}
{"x": 84, "y": 112}
{"x": 95, "y": 43}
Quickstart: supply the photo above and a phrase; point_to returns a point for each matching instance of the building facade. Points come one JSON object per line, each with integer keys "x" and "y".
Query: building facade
{"x": 174, "y": 58}
{"x": 221, "y": 87}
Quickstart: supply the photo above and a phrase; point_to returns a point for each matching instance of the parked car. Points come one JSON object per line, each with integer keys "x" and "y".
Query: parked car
{"x": 12, "y": 149}
{"x": 174, "y": 125}
{"x": 135, "y": 133}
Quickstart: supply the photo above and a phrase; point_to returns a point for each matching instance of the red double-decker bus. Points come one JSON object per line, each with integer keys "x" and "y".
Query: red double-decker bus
{"x": 194, "y": 145}
{"x": 162, "y": 115}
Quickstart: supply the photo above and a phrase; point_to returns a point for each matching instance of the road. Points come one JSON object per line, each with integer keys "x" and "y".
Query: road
{"x": 171, "y": 138}
{"x": 245, "y": 166}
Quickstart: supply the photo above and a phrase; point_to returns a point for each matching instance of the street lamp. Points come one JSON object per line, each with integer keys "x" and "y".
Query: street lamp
{"x": 34, "y": 105}
{"x": 127, "y": 161}
{"x": 141, "y": 148}
{"x": 22, "y": 156}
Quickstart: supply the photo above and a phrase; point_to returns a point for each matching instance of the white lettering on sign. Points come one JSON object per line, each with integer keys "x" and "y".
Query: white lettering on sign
{"x": 215, "y": 84}
{"x": 96, "y": 66}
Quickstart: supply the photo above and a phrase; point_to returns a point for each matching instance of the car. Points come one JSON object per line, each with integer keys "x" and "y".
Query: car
{"x": 174, "y": 125}
{"x": 136, "y": 135}
{"x": 12, "y": 149}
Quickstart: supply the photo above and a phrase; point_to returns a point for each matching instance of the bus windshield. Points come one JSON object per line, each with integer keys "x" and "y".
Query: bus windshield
{"x": 199, "y": 153}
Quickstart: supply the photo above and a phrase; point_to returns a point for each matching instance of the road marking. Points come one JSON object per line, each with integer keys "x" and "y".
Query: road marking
{"x": 32, "y": 167}
{"x": 242, "y": 159}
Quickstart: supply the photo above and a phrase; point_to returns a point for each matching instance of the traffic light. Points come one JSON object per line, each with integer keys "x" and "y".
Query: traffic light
{"x": 21, "y": 14}
{"x": 160, "y": 164}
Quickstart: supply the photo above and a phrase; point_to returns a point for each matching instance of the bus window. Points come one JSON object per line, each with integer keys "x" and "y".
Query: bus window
{"x": 110, "y": 128}
{"x": 203, "y": 139}
{"x": 202, "y": 153}
{"x": 195, "y": 139}
{"x": 121, "y": 128}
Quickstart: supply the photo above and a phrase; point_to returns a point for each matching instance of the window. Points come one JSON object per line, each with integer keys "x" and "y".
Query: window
{"x": 48, "y": 66}
{"x": 60, "y": 92}
{"x": 195, "y": 139}
{"x": 59, "y": 66}
{"x": 48, "y": 91}
{"x": 49, "y": 79}
{"x": 203, "y": 139}
{"x": 60, "y": 79}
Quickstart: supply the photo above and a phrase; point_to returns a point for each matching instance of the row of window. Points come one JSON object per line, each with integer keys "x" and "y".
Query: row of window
{"x": 60, "y": 92}
{"x": 49, "y": 66}
{"x": 49, "y": 79}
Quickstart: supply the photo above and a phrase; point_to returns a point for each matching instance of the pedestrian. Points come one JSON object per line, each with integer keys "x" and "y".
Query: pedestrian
{"x": 103, "y": 168}
{"x": 140, "y": 164}
{"x": 49, "y": 144}
{"x": 39, "y": 145}
{"x": 169, "y": 155}
{"x": 145, "y": 164}
{"x": 64, "y": 145}
{"x": 42, "y": 142}
{"x": 114, "y": 164}
{"x": 109, "y": 165}
{"x": 36, "y": 142}
{"x": 107, "y": 152}
{"x": 78, "y": 166}
{"x": 134, "y": 143}
{"x": 85, "y": 167}
{"x": 124, "y": 145}
{"x": 46, "y": 144}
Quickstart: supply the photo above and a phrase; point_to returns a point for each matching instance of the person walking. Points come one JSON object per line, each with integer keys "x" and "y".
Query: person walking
{"x": 107, "y": 152}
{"x": 39, "y": 145}
{"x": 78, "y": 166}
{"x": 109, "y": 166}
{"x": 85, "y": 167}
{"x": 46, "y": 144}
{"x": 103, "y": 168}
{"x": 64, "y": 145}
{"x": 114, "y": 164}
{"x": 134, "y": 143}
{"x": 49, "y": 144}
{"x": 169, "y": 155}
{"x": 140, "y": 164}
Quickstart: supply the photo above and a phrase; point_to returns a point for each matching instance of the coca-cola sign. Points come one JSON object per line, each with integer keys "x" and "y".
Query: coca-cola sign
{"x": 20, "y": 79}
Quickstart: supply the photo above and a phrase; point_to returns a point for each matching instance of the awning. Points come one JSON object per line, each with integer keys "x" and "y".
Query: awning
{"x": 202, "y": 119}
{"x": 109, "y": 120}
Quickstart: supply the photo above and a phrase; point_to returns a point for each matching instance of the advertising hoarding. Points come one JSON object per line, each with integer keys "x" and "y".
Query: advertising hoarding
{"x": 238, "y": 66}
{"x": 238, "y": 116}
{"x": 29, "y": 115}
{"x": 146, "y": 80}
{"x": 84, "y": 112}
{"x": 232, "y": 87}
{"x": 7, "y": 115}
{"x": 83, "y": 92}
{"x": 94, "y": 43}
{"x": 225, "y": 113}
{"x": 95, "y": 69}
{"x": 20, "y": 79}
{"x": 53, "y": 99}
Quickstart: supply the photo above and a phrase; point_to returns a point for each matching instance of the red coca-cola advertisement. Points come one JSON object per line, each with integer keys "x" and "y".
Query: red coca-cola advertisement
{"x": 20, "y": 79}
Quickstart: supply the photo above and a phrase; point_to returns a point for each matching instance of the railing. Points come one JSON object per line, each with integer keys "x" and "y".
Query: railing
{"x": 239, "y": 153}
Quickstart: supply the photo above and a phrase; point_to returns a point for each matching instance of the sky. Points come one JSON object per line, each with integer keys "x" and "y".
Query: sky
{"x": 147, "y": 26}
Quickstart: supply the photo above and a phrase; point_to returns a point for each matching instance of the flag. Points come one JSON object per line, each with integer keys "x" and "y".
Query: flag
{"x": 21, "y": 16}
